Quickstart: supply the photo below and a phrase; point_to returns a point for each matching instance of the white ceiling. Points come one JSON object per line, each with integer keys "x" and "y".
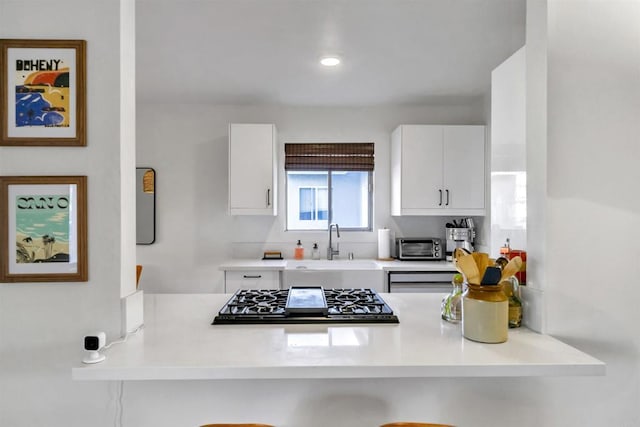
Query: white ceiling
{"x": 267, "y": 51}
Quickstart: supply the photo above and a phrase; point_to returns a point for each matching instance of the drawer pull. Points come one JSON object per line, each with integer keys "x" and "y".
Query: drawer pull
{"x": 246, "y": 276}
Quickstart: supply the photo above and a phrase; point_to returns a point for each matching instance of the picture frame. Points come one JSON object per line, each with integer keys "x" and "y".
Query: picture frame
{"x": 43, "y": 229}
{"x": 43, "y": 92}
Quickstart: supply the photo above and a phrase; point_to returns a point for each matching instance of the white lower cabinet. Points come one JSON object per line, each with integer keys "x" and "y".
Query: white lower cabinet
{"x": 235, "y": 280}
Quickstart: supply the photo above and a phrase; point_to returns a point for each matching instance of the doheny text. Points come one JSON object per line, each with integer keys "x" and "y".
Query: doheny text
{"x": 37, "y": 64}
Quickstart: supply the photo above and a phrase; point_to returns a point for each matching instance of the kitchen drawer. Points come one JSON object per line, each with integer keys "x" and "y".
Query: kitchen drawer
{"x": 256, "y": 279}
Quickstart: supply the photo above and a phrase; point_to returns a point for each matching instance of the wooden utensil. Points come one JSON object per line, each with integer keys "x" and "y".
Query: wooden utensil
{"x": 482, "y": 261}
{"x": 475, "y": 256}
{"x": 458, "y": 252}
{"x": 467, "y": 266}
{"x": 512, "y": 267}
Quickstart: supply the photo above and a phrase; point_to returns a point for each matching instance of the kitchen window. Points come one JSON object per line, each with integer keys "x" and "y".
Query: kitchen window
{"x": 314, "y": 204}
{"x": 329, "y": 183}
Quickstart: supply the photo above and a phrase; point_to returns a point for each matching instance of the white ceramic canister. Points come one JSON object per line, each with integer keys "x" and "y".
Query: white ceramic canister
{"x": 485, "y": 313}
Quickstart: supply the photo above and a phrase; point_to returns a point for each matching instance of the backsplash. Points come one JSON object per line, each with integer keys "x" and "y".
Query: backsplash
{"x": 353, "y": 242}
{"x": 245, "y": 250}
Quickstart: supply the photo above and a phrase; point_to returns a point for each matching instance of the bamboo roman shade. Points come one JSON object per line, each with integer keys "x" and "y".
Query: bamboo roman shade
{"x": 329, "y": 156}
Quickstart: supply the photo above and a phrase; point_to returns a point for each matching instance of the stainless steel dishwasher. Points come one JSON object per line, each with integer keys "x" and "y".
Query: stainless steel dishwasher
{"x": 420, "y": 281}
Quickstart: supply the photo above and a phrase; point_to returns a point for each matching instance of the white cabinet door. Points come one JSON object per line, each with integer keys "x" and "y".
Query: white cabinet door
{"x": 464, "y": 170}
{"x": 252, "y": 169}
{"x": 235, "y": 280}
{"x": 422, "y": 167}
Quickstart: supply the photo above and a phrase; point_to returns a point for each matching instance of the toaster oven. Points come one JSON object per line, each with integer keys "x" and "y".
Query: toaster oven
{"x": 419, "y": 248}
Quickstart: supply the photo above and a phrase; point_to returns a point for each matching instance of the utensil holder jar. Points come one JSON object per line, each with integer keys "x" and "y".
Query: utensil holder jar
{"x": 485, "y": 313}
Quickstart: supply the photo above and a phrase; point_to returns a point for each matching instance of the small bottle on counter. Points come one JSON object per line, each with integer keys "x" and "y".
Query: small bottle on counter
{"x": 315, "y": 251}
{"x": 298, "y": 253}
{"x": 451, "y": 307}
{"x": 505, "y": 249}
{"x": 511, "y": 289}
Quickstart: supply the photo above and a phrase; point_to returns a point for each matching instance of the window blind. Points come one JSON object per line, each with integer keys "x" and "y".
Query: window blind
{"x": 329, "y": 156}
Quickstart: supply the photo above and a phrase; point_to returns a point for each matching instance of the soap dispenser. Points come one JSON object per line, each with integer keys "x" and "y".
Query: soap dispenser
{"x": 315, "y": 252}
{"x": 299, "y": 251}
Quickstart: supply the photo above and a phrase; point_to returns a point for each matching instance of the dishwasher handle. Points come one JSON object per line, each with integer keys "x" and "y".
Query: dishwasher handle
{"x": 422, "y": 277}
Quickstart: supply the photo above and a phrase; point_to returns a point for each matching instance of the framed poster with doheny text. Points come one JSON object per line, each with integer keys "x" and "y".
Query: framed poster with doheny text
{"x": 42, "y": 90}
{"x": 43, "y": 229}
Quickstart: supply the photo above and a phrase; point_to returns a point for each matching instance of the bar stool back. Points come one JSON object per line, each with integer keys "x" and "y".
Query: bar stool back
{"x": 415, "y": 425}
{"x": 237, "y": 425}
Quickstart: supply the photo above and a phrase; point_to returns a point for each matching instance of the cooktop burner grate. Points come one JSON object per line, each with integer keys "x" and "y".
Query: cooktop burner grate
{"x": 256, "y": 306}
{"x": 257, "y": 302}
{"x": 354, "y": 301}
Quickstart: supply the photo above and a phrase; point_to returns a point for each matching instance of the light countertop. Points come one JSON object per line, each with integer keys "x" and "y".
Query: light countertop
{"x": 394, "y": 265}
{"x": 178, "y": 342}
{"x": 250, "y": 265}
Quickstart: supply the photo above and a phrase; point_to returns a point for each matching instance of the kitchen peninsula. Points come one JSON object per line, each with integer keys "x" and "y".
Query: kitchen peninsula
{"x": 178, "y": 342}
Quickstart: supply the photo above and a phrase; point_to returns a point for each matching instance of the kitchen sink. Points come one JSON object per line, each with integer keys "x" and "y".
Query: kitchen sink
{"x": 360, "y": 264}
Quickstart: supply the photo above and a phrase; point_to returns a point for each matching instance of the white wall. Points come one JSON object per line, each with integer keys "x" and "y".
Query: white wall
{"x": 42, "y": 325}
{"x": 187, "y": 145}
{"x": 592, "y": 196}
{"x": 536, "y": 155}
{"x": 508, "y": 153}
{"x": 127, "y": 146}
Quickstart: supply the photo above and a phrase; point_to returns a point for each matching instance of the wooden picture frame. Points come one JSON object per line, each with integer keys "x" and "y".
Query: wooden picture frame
{"x": 43, "y": 92}
{"x": 43, "y": 229}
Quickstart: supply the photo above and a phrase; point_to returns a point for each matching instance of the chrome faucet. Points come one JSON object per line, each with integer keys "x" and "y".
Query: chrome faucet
{"x": 330, "y": 251}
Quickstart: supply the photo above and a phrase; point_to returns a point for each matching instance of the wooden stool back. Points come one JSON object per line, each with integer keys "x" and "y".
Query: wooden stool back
{"x": 415, "y": 425}
{"x": 237, "y": 425}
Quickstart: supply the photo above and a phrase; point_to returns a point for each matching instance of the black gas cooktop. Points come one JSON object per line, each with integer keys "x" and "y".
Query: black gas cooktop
{"x": 305, "y": 305}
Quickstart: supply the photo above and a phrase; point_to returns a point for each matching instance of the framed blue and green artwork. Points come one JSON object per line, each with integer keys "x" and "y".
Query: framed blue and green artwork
{"x": 43, "y": 233}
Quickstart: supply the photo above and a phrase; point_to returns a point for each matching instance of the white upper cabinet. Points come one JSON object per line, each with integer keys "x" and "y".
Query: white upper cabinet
{"x": 438, "y": 170}
{"x": 252, "y": 169}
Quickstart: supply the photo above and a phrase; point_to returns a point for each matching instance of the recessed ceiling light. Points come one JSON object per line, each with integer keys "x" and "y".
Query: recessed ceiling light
{"x": 330, "y": 61}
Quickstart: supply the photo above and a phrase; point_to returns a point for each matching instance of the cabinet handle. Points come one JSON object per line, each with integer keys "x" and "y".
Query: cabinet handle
{"x": 447, "y": 204}
{"x": 246, "y": 276}
{"x": 268, "y": 197}
{"x": 440, "y": 204}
